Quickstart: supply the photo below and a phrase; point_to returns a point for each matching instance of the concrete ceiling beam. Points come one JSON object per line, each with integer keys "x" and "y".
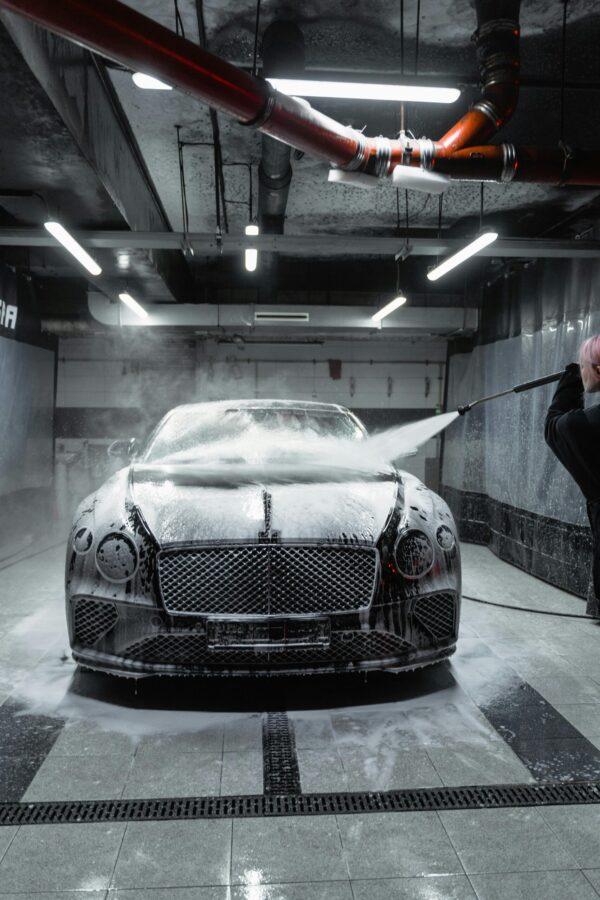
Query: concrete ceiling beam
{"x": 309, "y": 245}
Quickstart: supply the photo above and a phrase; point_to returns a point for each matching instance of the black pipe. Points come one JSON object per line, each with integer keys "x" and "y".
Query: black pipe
{"x": 283, "y": 56}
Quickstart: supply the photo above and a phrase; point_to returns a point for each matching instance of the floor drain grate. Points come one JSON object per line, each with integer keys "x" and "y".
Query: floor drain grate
{"x": 436, "y": 799}
{"x": 280, "y": 763}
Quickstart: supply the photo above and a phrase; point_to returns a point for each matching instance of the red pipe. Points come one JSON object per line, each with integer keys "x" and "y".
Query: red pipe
{"x": 118, "y": 32}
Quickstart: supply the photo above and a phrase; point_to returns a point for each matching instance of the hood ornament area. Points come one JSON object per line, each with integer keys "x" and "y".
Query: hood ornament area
{"x": 268, "y": 536}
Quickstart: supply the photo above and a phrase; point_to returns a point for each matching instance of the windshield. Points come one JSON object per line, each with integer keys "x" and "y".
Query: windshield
{"x": 238, "y": 434}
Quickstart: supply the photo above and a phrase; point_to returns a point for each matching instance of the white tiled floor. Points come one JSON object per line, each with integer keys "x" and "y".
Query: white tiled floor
{"x": 424, "y": 729}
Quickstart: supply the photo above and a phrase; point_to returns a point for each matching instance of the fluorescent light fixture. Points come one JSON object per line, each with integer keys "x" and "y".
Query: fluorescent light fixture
{"x": 123, "y": 260}
{"x": 133, "y": 305}
{"x": 389, "y": 308}
{"x": 355, "y": 90}
{"x": 250, "y": 253}
{"x": 488, "y": 237}
{"x": 149, "y": 83}
{"x": 69, "y": 243}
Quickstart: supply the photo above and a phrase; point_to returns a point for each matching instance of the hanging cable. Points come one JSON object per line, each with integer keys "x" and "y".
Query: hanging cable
{"x": 563, "y": 70}
{"x": 417, "y": 33}
{"x": 256, "y": 28}
{"x": 439, "y": 228}
{"x": 481, "y": 206}
{"x": 217, "y": 154}
{"x": 185, "y": 216}
{"x": 180, "y": 30}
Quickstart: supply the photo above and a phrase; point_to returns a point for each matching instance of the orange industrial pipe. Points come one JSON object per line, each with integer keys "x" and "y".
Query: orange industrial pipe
{"x": 120, "y": 33}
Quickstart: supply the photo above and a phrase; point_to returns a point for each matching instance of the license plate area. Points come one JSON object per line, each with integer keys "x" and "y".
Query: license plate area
{"x": 261, "y": 635}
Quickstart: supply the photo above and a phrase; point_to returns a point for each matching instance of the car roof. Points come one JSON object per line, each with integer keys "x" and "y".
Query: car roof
{"x": 266, "y": 404}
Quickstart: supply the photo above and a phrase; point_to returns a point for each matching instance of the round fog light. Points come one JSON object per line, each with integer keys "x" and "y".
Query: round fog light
{"x": 82, "y": 541}
{"x": 445, "y": 538}
{"x": 116, "y": 557}
{"x": 414, "y": 554}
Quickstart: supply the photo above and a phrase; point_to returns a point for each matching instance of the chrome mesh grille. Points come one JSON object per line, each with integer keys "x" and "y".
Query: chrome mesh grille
{"x": 92, "y": 620}
{"x": 267, "y": 579}
{"x": 436, "y": 614}
{"x": 190, "y": 650}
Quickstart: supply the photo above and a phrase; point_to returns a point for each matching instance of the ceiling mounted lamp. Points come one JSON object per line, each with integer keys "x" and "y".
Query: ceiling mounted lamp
{"x": 355, "y": 90}
{"x": 488, "y": 237}
{"x": 74, "y": 248}
{"x": 251, "y": 253}
{"x": 398, "y": 301}
{"x": 149, "y": 83}
{"x": 133, "y": 305}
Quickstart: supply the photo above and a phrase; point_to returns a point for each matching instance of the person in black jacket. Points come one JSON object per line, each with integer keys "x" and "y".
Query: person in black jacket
{"x": 573, "y": 434}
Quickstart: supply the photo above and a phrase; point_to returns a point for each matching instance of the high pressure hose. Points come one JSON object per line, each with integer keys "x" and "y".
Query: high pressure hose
{"x": 539, "y": 612}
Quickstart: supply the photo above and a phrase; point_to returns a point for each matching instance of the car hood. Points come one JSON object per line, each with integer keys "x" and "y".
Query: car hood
{"x": 185, "y": 503}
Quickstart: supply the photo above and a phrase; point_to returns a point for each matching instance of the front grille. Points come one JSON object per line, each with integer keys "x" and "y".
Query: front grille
{"x": 267, "y": 579}
{"x": 190, "y": 650}
{"x": 92, "y": 620}
{"x": 436, "y": 614}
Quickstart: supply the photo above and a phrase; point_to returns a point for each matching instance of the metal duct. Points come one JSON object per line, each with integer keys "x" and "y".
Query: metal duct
{"x": 120, "y": 33}
{"x": 283, "y": 55}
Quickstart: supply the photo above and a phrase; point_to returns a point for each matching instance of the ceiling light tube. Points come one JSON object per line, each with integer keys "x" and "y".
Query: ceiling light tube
{"x": 354, "y": 90}
{"x": 69, "y": 243}
{"x": 488, "y": 237}
{"x": 133, "y": 305}
{"x": 251, "y": 253}
{"x": 149, "y": 82}
{"x": 388, "y": 308}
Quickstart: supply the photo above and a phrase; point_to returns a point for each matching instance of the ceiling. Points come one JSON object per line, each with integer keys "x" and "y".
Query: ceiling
{"x": 43, "y": 152}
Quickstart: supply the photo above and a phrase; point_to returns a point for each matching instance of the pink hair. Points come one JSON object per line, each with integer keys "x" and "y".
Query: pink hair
{"x": 589, "y": 352}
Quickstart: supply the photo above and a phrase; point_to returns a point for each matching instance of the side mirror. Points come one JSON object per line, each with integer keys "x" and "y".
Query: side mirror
{"x": 123, "y": 449}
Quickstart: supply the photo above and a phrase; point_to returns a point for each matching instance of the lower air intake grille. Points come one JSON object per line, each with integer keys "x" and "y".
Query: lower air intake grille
{"x": 267, "y": 579}
{"x": 190, "y": 650}
{"x": 436, "y": 614}
{"x": 92, "y": 620}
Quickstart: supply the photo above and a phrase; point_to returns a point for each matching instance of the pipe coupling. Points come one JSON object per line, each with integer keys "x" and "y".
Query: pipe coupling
{"x": 266, "y": 112}
{"x": 509, "y": 163}
{"x": 426, "y": 152}
{"x": 493, "y": 26}
{"x": 488, "y": 109}
{"x": 382, "y": 156}
{"x": 361, "y": 155}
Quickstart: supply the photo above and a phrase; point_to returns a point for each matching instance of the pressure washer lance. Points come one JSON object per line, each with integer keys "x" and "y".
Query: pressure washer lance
{"x": 526, "y": 386}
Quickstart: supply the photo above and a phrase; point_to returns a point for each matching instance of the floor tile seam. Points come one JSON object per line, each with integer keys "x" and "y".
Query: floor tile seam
{"x": 593, "y": 886}
{"x": 10, "y": 843}
{"x": 451, "y": 842}
{"x": 117, "y": 855}
{"x": 231, "y": 848}
{"x": 342, "y": 848}
{"x": 547, "y": 821}
{"x": 435, "y": 769}
{"x": 128, "y": 774}
{"x": 473, "y": 888}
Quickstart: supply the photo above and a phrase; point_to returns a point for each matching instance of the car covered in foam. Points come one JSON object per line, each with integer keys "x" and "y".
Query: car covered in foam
{"x": 260, "y": 537}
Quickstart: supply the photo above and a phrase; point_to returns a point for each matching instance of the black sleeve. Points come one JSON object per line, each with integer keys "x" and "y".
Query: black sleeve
{"x": 568, "y": 399}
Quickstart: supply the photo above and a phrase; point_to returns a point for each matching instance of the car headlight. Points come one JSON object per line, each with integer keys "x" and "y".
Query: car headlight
{"x": 117, "y": 557}
{"x": 414, "y": 554}
{"x": 445, "y": 538}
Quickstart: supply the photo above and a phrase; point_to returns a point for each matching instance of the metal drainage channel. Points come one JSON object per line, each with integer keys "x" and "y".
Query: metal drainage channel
{"x": 261, "y": 805}
{"x": 280, "y": 763}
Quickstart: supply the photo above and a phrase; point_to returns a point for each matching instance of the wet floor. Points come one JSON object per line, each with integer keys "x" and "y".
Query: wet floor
{"x": 519, "y": 703}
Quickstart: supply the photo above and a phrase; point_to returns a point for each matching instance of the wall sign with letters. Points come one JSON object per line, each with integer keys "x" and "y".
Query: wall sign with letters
{"x": 8, "y": 315}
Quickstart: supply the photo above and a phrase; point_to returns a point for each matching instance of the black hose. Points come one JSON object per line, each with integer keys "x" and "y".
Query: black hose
{"x": 539, "y": 612}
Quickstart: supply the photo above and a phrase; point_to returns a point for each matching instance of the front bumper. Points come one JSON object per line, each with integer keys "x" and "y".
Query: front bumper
{"x": 130, "y": 639}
